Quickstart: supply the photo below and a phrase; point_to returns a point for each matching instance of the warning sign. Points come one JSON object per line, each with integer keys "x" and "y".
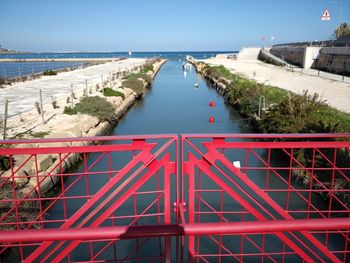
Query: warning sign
{"x": 326, "y": 15}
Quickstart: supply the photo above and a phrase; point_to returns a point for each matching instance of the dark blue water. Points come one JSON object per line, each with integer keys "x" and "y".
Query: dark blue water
{"x": 16, "y": 69}
{"x": 169, "y": 55}
{"x": 174, "y": 105}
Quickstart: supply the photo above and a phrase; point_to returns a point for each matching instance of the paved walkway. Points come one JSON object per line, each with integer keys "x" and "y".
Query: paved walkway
{"x": 23, "y": 95}
{"x": 328, "y": 86}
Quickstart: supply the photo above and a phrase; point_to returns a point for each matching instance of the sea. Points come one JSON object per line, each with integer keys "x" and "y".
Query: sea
{"x": 17, "y": 69}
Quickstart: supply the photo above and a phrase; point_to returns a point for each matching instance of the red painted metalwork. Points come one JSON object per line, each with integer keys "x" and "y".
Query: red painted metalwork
{"x": 137, "y": 198}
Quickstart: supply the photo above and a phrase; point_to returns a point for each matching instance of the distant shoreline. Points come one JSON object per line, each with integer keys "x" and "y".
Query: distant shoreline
{"x": 78, "y": 52}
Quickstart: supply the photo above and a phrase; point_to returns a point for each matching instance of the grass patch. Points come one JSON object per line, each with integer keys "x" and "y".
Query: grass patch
{"x": 108, "y": 92}
{"x": 39, "y": 134}
{"x": 143, "y": 76}
{"x": 93, "y": 106}
{"x": 147, "y": 67}
{"x": 220, "y": 72}
{"x": 134, "y": 84}
{"x": 70, "y": 111}
{"x": 50, "y": 72}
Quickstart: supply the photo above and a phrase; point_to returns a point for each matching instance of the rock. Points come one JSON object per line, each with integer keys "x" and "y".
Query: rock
{"x": 22, "y": 175}
{"x": 57, "y": 134}
{"x": 46, "y": 183}
{"x": 99, "y": 130}
{"x": 20, "y": 178}
{"x": 74, "y": 131}
{"x": 27, "y": 192}
{"x": 86, "y": 122}
{"x": 44, "y": 162}
{"x": 118, "y": 101}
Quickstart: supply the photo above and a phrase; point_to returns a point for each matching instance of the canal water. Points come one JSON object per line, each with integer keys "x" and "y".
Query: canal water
{"x": 173, "y": 105}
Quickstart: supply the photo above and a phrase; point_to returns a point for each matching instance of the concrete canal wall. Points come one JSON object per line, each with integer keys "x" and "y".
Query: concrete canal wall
{"x": 299, "y": 56}
{"x": 330, "y": 59}
{"x": 334, "y": 59}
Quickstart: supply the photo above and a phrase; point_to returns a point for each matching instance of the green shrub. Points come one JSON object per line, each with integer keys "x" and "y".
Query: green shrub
{"x": 70, "y": 111}
{"x": 134, "y": 84}
{"x": 220, "y": 71}
{"x": 50, "y": 72}
{"x": 108, "y": 92}
{"x": 94, "y": 106}
{"x": 143, "y": 76}
{"x": 293, "y": 114}
{"x": 147, "y": 67}
{"x": 4, "y": 163}
{"x": 39, "y": 134}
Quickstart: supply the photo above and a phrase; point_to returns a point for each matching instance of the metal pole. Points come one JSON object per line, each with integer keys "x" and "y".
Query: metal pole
{"x": 41, "y": 106}
{"x": 5, "y": 118}
{"x": 102, "y": 82}
{"x": 72, "y": 95}
{"x": 166, "y": 230}
{"x": 110, "y": 80}
{"x": 86, "y": 88}
{"x": 5, "y": 76}
{"x": 19, "y": 71}
{"x": 262, "y": 104}
{"x": 344, "y": 67}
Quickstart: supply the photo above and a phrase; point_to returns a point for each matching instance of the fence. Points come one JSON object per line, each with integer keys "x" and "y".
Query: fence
{"x": 326, "y": 43}
{"x": 204, "y": 198}
{"x": 13, "y": 70}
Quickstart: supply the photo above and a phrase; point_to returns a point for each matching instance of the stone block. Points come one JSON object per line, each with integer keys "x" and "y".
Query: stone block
{"x": 44, "y": 183}
{"x": 27, "y": 192}
{"x": 43, "y": 161}
{"x": 86, "y": 122}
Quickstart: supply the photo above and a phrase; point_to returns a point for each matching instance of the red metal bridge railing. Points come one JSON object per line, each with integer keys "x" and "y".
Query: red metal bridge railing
{"x": 207, "y": 198}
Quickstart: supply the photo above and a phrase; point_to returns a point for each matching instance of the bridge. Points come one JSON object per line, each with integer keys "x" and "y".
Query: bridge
{"x": 187, "y": 198}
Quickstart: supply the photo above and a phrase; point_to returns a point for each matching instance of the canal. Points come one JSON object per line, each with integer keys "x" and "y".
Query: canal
{"x": 173, "y": 105}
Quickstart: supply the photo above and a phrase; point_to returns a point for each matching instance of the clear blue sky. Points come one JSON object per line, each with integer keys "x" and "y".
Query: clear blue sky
{"x": 163, "y": 25}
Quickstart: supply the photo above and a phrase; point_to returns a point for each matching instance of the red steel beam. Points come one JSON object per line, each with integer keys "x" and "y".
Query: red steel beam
{"x": 200, "y": 229}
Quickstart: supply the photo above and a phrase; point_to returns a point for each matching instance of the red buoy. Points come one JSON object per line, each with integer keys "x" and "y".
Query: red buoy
{"x": 212, "y": 103}
{"x": 211, "y": 119}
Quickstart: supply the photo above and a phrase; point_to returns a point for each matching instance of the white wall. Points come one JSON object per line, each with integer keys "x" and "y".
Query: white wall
{"x": 310, "y": 54}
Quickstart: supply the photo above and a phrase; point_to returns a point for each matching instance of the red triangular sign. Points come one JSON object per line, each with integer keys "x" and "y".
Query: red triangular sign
{"x": 326, "y": 15}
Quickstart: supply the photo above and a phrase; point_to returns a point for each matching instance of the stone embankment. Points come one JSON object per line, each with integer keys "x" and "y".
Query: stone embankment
{"x": 63, "y": 126}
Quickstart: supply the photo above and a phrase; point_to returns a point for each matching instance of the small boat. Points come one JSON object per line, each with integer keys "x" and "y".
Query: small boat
{"x": 196, "y": 85}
